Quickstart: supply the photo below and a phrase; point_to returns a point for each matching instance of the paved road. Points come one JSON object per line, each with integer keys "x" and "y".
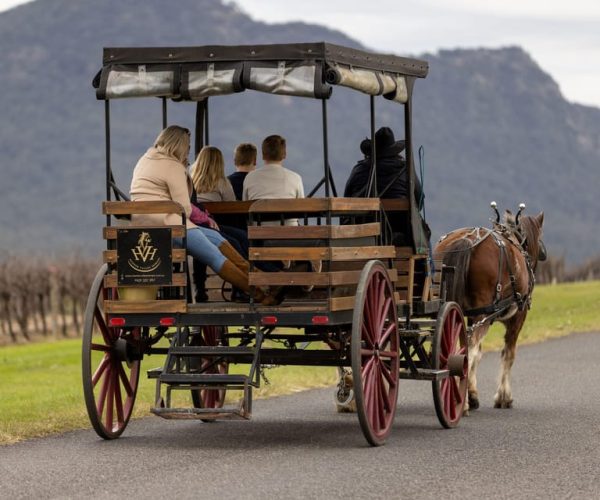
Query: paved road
{"x": 547, "y": 446}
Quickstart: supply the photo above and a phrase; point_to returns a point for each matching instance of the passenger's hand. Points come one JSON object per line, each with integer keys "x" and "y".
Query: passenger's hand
{"x": 213, "y": 224}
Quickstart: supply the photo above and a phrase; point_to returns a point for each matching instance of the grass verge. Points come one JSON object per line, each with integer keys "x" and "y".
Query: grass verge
{"x": 40, "y": 384}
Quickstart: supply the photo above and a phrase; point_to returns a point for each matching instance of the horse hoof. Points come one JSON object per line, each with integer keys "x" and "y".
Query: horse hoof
{"x": 347, "y": 408}
{"x": 503, "y": 404}
{"x": 473, "y": 402}
{"x": 466, "y": 413}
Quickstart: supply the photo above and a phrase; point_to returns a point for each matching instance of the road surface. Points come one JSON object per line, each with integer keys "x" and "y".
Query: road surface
{"x": 547, "y": 446}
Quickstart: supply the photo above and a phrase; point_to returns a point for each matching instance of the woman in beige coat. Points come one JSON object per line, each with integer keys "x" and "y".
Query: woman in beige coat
{"x": 161, "y": 174}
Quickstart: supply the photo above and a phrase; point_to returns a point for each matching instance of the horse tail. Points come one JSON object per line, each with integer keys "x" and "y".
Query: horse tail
{"x": 457, "y": 255}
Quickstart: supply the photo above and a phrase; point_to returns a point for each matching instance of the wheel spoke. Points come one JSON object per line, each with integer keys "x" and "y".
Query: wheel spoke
{"x": 110, "y": 398}
{"x": 100, "y": 347}
{"x": 99, "y": 317}
{"x": 366, "y": 335}
{"x": 118, "y": 402}
{"x": 100, "y": 370}
{"x": 458, "y": 397}
{"x": 367, "y": 353}
{"x": 125, "y": 381}
{"x": 387, "y": 333}
{"x": 388, "y": 354}
{"x": 100, "y": 402}
{"x": 387, "y": 374}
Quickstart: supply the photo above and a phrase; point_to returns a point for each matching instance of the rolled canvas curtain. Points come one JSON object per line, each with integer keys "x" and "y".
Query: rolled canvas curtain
{"x": 368, "y": 81}
{"x": 120, "y": 81}
{"x": 204, "y": 80}
{"x": 302, "y": 79}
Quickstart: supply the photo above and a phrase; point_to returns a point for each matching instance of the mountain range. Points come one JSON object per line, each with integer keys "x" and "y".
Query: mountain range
{"x": 492, "y": 124}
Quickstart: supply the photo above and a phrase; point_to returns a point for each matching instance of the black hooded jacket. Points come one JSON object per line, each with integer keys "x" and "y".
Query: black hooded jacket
{"x": 392, "y": 179}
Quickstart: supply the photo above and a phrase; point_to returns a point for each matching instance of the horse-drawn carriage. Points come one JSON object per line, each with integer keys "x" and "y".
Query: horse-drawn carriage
{"x": 375, "y": 308}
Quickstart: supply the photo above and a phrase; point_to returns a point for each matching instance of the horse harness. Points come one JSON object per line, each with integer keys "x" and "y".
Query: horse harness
{"x": 501, "y": 234}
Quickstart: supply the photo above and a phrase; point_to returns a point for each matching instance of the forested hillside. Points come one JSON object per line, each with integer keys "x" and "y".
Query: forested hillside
{"x": 492, "y": 123}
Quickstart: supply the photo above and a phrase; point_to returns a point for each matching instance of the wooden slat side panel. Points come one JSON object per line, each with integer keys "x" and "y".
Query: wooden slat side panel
{"x": 141, "y": 207}
{"x": 346, "y": 303}
{"x": 146, "y": 306}
{"x": 355, "y": 204}
{"x": 314, "y": 232}
{"x": 334, "y": 278}
{"x": 360, "y": 253}
{"x": 341, "y": 303}
{"x": 289, "y": 206}
{"x": 322, "y": 253}
{"x": 288, "y": 232}
{"x": 356, "y": 230}
{"x": 110, "y": 232}
{"x": 291, "y": 278}
{"x": 317, "y": 205}
{"x": 179, "y": 279}
{"x": 286, "y": 253}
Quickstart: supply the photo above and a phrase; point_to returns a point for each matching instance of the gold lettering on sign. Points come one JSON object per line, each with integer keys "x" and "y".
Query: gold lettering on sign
{"x": 144, "y": 254}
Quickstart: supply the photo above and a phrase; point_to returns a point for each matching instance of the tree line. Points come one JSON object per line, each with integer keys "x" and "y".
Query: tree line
{"x": 46, "y": 298}
{"x": 40, "y": 297}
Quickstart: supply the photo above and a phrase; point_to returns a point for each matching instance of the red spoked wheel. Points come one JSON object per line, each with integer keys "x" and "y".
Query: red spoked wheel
{"x": 210, "y": 336}
{"x": 375, "y": 358}
{"x": 110, "y": 365}
{"x": 449, "y": 352}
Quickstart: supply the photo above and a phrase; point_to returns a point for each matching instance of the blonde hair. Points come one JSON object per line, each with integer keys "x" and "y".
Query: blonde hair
{"x": 208, "y": 169}
{"x": 174, "y": 141}
{"x": 244, "y": 154}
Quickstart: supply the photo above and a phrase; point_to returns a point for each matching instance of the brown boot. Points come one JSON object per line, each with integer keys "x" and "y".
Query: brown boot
{"x": 231, "y": 253}
{"x": 239, "y": 279}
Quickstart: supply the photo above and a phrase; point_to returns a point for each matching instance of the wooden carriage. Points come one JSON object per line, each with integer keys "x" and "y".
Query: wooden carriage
{"x": 369, "y": 305}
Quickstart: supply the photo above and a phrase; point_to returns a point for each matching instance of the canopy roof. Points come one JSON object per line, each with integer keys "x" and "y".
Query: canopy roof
{"x": 300, "y": 69}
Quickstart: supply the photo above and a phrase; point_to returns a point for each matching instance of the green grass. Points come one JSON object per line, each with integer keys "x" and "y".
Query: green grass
{"x": 556, "y": 310}
{"x": 40, "y": 384}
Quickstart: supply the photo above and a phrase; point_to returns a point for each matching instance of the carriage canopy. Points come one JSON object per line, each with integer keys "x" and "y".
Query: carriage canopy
{"x": 301, "y": 69}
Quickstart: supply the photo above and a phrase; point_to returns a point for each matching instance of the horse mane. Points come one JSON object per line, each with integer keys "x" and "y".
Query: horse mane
{"x": 531, "y": 230}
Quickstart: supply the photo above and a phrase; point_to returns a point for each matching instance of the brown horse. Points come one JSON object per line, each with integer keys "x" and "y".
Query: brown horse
{"x": 493, "y": 281}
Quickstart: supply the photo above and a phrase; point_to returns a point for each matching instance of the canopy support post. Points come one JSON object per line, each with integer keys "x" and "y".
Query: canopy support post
{"x": 107, "y": 152}
{"x": 164, "y": 113}
{"x": 206, "y": 137}
{"x": 199, "y": 128}
{"x": 372, "y": 186}
{"x": 327, "y": 171}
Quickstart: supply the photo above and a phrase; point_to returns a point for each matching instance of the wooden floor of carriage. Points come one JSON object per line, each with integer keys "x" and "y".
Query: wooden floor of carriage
{"x": 548, "y": 445}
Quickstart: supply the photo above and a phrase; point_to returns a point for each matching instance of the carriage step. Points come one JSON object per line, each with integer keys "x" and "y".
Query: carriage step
{"x": 210, "y": 351}
{"x": 202, "y": 413}
{"x": 424, "y": 374}
{"x": 200, "y": 378}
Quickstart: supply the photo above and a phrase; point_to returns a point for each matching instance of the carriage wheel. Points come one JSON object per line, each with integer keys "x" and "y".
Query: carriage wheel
{"x": 375, "y": 359}
{"x": 110, "y": 365}
{"x": 210, "y": 336}
{"x": 449, "y": 352}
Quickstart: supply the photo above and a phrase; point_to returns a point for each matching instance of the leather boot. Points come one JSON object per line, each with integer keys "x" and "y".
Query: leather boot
{"x": 231, "y": 253}
{"x": 239, "y": 279}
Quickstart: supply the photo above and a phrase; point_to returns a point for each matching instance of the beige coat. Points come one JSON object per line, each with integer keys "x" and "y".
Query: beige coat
{"x": 158, "y": 177}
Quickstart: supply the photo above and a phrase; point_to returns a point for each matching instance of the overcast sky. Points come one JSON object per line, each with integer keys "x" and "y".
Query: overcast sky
{"x": 563, "y": 36}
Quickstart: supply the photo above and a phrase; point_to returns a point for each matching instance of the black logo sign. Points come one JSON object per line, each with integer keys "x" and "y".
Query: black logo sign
{"x": 144, "y": 256}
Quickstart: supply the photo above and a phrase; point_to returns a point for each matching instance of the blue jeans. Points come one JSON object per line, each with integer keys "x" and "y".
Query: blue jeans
{"x": 203, "y": 245}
